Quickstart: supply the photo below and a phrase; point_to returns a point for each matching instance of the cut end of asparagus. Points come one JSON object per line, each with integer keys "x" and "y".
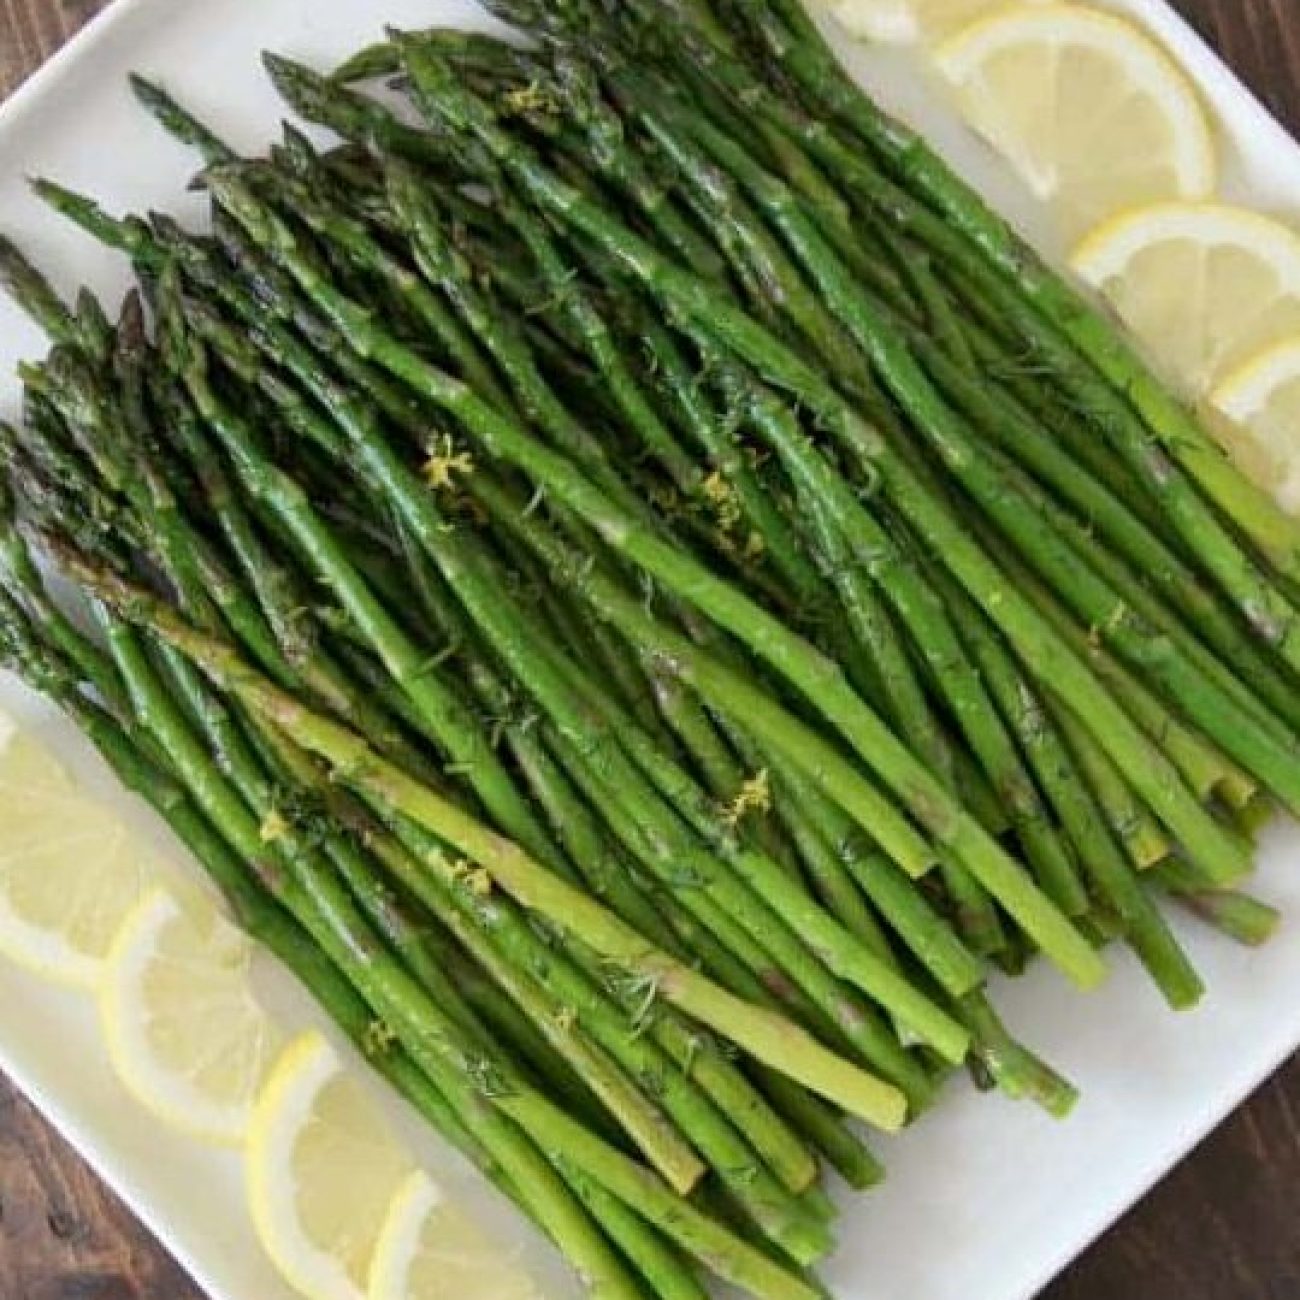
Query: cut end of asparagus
{"x": 1241, "y": 917}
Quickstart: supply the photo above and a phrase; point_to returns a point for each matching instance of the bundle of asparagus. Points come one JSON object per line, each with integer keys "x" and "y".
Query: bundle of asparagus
{"x": 643, "y": 592}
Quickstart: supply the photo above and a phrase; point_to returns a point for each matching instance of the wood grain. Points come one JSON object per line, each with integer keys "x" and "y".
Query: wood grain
{"x": 1222, "y": 1226}
{"x": 63, "y": 1235}
{"x": 31, "y": 30}
{"x": 1261, "y": 40}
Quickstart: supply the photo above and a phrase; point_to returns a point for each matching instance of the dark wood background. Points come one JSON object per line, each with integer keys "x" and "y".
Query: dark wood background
{"x": 1223, "y": 1226}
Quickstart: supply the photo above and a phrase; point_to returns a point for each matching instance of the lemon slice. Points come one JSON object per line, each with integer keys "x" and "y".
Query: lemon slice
{"x": 904, "y": 22}
{"x": 26, "y": 763}
{"x": 69, "y": 869}
{"x": 430, "y": 1249}
{"x": 1091, "y": 112}
{"x": 322, "y": 1168}
{"x": 1262, "y": 401}
{"x": 1205, "y": 285}
{"x": 184, "y": 1027}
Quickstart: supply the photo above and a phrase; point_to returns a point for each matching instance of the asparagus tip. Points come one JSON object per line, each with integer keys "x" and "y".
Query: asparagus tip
{"x": 145, "y": 90}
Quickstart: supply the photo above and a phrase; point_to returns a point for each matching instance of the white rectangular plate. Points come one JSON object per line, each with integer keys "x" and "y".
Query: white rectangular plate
{"x": 985, "y": 1199}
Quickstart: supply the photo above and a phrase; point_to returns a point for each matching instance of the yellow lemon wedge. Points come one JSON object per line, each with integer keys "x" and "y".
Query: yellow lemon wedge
{"x": 322, "y": 1167}
{"x": 1205, "y": 286}
{"x": 70, "y": 870}
{"x": 26, "y": 762}
{"x": 185, "y": 1029}
{"x": 430, "y": 1248}
{"x": 905, "y": 22}
{"x": 1262, "y": 434}
{"x": 1089, "y": 110}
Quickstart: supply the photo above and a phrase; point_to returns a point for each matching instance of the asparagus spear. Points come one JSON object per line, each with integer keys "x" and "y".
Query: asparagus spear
{"x": 335, "y": 354}
{"x": 526, "y": 1172}
{"x": 855, "y": 964}
{"x": 1058, "y": 305}
{"x": 815, "y": 674}
{"x": 126, "y": 750}
{"x": 1150, "y": 773}
{"x": 1058, "y": 320}
{"x": 1182, "y": 680}
{"x": 427, "y": 1031}
{"x": 523, "y": 878}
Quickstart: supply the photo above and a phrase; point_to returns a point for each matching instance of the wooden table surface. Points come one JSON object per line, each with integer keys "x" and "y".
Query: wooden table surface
{"x": 1223, "y": 1226}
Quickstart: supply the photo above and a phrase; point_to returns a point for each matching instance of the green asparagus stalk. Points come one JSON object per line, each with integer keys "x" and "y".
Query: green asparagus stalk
{"x": 932, "y": 417}
{"x": 856, "y": 964}
{"x": 1058, "y": 320}
{"x": 425, "y": 1029}
{"x": 814, "y": 672}
{"x": 180, "y": 123}
{"x": 1241, "y": 917}
{"x": 768, "y": 1038}
{"x": 34, "y": 293}
{"x": 254, "y": 911}
{"x": 1066, "y": 788}
{"x": 1050, "y": 658}
{"x": 1061, "y": 306}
